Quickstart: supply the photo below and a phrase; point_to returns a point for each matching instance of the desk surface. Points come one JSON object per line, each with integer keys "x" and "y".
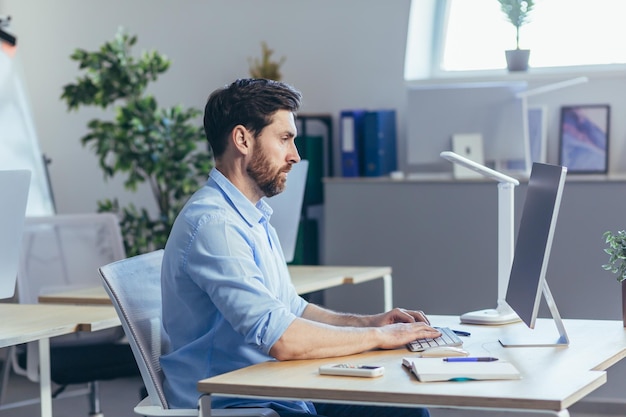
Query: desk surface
{"x": 306, "y": 279}
{"x": 553, "y": 378}
{"x": 22, "y": 323}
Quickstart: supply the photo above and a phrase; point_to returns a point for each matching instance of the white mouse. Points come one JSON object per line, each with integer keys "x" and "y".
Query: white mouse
{"x": 443, "y": 352}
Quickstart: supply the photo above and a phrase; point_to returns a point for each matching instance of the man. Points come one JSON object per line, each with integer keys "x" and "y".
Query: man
{"x": 228, "y": 301}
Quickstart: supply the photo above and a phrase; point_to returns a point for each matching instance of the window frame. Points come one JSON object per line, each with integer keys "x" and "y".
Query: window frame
{"x": 435, "y": 72}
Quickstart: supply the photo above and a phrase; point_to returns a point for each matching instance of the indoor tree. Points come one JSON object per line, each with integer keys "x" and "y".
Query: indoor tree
{"x": 143, "y": 142}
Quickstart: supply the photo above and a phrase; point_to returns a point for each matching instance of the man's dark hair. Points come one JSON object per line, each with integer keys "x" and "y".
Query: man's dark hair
{"x": 247, "y": 102}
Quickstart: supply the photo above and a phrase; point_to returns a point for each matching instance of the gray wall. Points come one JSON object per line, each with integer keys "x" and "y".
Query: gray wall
{"x": 340, "y": 54}
{"x": 440, "y": 237}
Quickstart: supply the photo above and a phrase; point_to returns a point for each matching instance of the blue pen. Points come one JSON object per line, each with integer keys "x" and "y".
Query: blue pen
{"x": 471, "y": 359}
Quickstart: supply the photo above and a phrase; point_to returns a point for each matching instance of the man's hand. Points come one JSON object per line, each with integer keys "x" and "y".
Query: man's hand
{"x": 399, "y": 315}
{"x": 399, "y": 334}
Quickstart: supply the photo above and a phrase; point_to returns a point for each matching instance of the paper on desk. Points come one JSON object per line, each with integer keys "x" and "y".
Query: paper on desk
{"x": 436, "y": 369}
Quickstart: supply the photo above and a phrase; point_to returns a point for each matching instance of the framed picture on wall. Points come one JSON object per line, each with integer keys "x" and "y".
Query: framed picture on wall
{"x": 584, "y": 138}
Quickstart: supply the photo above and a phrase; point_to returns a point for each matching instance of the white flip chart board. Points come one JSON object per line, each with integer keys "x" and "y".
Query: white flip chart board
{"x": 19, "y": 148}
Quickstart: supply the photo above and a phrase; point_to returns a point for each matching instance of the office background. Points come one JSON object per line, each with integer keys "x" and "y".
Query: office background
{"x": 340, "y": 54}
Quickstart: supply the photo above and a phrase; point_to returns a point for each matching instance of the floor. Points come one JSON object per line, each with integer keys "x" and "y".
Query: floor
{"x": 118, "y": 398}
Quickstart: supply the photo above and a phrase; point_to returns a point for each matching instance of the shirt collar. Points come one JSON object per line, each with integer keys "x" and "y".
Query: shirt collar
{"x": 252, "y": 214}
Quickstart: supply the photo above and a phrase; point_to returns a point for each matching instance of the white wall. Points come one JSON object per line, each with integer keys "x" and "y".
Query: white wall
{"x": 340, "y": 54}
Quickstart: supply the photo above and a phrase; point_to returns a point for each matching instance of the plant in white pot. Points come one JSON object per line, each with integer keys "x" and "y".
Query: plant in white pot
{"x": 616, "y": 249}
{"x": 517, "y": 13}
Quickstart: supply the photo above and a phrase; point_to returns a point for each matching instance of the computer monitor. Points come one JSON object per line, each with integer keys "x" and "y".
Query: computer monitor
{"x": 14, "y": 186}
{"x": 527, "y": 281}
{"x": 287, "y": 207}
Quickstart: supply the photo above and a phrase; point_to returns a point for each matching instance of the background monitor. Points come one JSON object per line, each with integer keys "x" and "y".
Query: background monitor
{"x": 14, "y": 186}
{"x": 287, "y": 207}
{"x": 527, "y": 281}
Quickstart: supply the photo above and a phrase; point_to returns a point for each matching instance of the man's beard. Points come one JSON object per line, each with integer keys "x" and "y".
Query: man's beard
{"x": 269, "y": 182}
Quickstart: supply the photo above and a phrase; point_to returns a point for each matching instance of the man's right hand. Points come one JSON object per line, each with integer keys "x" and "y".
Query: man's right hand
{"x": 399, "y": 334}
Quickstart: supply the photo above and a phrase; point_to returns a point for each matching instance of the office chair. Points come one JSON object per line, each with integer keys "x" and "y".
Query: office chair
{"x": 60, "y": 253}
{"x": 134, "y": 286}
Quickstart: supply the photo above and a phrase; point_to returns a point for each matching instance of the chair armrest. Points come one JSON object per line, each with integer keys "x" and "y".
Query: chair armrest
{"x": 145, "y": 408}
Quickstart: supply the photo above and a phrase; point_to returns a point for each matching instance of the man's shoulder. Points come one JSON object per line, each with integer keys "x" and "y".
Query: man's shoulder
{"x": 204, "y": 203}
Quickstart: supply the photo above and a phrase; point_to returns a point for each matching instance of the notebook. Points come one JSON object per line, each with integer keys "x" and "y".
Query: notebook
{"x": 287, "y": 207}
{"x": 14, "y": 186}
{"x": 436, "y": 369}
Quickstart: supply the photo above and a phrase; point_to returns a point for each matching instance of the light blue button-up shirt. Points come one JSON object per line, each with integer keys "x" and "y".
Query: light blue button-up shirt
{"x": 227, "y": 293}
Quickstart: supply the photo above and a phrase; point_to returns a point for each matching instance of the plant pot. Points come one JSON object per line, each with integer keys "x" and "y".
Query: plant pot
{"x": 517, "y": 59}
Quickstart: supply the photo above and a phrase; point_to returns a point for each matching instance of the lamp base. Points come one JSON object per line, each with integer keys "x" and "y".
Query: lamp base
{"x": 492, "y": 316}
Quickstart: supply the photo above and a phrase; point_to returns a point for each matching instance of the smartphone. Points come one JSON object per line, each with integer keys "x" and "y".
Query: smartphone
{"x": 348, "y": 369}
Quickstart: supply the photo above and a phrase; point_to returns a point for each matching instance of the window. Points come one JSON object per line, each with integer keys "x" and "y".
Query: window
{"x": 470, "y": 35}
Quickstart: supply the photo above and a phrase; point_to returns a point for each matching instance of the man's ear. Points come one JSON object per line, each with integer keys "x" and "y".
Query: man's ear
{"x": 241, "y": 139}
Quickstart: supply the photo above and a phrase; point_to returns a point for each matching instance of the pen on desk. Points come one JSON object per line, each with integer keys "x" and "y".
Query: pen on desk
{"x": 470, "y": 359}
{"x": 461, "y": 333}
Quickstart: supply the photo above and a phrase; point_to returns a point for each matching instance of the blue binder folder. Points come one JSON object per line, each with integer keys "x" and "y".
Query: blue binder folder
{"x": 351, "y": 141}
{"x": 379, "y": 138}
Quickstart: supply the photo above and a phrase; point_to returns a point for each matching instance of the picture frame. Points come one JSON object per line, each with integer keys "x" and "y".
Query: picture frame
{"x": 584, "y": 138}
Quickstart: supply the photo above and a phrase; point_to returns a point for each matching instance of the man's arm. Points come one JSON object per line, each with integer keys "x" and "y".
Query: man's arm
{"x": 322, "y": 333}
{"x": 397, "y": 315}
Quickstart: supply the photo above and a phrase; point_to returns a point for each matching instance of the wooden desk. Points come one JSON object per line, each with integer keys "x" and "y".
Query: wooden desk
{"x": 22, "y": 323}
{"x": 552, "y": 378}
{"x": 309, "y": 278}
{"x": 306, "y": 279}
{"x": 89, "y": 296}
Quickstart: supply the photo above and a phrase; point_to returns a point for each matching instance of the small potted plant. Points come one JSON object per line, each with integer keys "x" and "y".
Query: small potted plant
{"x": 517, "y": 12}
{"x": 616, "y": 249}
{"x": 265, "y": 67}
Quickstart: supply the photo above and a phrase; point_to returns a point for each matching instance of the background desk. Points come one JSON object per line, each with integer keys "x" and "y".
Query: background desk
{"x": 23, "y": 323}
{"x": 305, "y": 278}
{"x": 552, "y": 378}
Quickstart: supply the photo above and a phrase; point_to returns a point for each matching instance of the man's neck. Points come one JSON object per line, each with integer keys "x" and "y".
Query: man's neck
{"x": 242, "y": 181}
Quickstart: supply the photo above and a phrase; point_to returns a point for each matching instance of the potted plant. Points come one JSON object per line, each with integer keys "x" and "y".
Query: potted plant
{"x": 616, "y": 249}
{"x": 146, "y": 143}
{"x": 265, "y": 67}
{"x": 517, "y": 12}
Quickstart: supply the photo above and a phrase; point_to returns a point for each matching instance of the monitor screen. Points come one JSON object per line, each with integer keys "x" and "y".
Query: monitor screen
{"x": 287, "y": 207}
{"x": 534, "y": 240}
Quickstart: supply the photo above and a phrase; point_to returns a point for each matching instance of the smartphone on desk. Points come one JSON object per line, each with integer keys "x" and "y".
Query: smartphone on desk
{"x": 348, "y": 369}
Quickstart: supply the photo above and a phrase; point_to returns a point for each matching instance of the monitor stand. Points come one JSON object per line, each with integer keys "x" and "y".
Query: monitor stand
{"x": 502, "y": 314}
{"x": 531, "y": 337}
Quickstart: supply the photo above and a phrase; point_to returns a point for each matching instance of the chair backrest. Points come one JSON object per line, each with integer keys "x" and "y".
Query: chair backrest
{"x": 64, "y": 252}
{"x": 134, "y": 286}
{"x": 61, "y": 253}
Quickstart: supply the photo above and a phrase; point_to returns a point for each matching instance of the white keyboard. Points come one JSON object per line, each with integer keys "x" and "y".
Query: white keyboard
{"x": 447, "y": 338}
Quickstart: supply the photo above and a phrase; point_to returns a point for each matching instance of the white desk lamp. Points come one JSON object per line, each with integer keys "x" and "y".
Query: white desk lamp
{"x": 503, "y": 313}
